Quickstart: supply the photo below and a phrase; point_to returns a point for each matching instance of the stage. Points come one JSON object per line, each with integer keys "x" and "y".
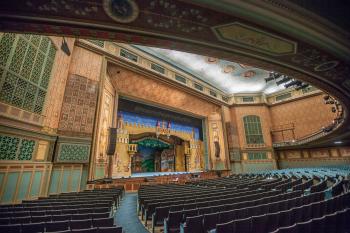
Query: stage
{"x": 150, "y": 174}
{"x": 133, "y": 182}
{"x": 157, "y": 174}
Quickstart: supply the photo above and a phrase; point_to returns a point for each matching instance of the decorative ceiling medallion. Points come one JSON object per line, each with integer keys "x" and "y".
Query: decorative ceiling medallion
{"x": 255, "y": 39}
{"x": 228, "y": 69}
{"x": 326, "y": 66}
{"x": 211, "y": 60}
{"x": 249, "y": 74}
{"x": 122, "y": 11}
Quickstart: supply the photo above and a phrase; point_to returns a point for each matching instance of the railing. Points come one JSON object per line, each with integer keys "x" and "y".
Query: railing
{"x": 309, "y": 138}
{"x": 132, "y": 148}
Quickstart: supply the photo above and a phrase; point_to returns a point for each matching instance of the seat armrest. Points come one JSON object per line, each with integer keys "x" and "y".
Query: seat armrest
{"x": 166, "y": 225}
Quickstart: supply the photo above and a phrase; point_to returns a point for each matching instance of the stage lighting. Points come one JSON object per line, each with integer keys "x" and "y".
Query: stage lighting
{"x": 326, "y": 97}
{"x": 334, "y": 109}
{"x": 292, "y": 83}
{"x": 269, "y": 79}
{"x": 284, "y": 80}
{"x": 303, "y": 86}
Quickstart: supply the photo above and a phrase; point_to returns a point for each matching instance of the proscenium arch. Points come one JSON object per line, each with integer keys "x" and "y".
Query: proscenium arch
{"x": 315, "y": 51}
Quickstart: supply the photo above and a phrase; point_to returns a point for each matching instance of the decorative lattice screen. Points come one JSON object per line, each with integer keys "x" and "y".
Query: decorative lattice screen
{"x": 14, "y": 148}
{"x": 25, "y": 68}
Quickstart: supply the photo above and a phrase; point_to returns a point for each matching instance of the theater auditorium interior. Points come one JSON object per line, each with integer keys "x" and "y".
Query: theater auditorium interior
{"x": 175, "y": 116}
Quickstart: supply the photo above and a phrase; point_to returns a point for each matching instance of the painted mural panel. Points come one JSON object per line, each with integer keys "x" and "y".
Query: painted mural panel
{"x": 217, "y": 144}
{"x": 160, "y": 137}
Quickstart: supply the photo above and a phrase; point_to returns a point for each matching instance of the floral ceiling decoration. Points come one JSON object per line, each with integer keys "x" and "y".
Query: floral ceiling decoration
{"x": 226, "y": 76}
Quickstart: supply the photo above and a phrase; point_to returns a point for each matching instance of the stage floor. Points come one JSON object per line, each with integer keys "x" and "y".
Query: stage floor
{"x": 150, "y": 174}
{"x": 153, "y": 174}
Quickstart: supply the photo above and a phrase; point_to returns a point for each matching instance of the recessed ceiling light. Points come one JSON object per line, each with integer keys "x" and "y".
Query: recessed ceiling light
{"x": 338, "y": 142}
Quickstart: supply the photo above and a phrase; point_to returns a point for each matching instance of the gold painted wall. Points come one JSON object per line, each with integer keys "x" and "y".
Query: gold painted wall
{"x": 314, "y": 157}
{"x": 308, "y": 115}
{"x": 59, "y": 75}
{"x": 133, "y": 84}
{"x": 265, "y": 119}
{"x": 107, "y": 113}
{"x": 180, "y": 158}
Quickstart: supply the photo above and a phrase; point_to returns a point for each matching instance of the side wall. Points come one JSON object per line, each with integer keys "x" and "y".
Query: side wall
{"x": 308, "y": 115}
{"x": 239, "y": 149}
{"x": 314, "y": 157}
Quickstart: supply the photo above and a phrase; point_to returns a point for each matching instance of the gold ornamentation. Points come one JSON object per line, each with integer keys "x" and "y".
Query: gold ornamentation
{"x": 249, "y": 37}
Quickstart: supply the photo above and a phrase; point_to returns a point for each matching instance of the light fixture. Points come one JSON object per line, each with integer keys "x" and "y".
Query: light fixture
{"x": 303, "y": 86}
{"x": 292, "y": 83}
{"x": 64, "y": 47}
{"x": 338, "y": 142}
{"x": 284, "y": 80}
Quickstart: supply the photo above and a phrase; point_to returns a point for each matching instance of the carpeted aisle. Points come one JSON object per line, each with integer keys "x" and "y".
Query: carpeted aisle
{"x": 126, "y": 215}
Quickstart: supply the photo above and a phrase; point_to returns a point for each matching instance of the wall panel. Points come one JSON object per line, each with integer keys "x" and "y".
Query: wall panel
{"x": 37, "y": 180}
{"x": 54, "y": 182}
{"x": 10, "y": 187}
{"x": 66, "y": 178}
{"x": 24, "y": 185}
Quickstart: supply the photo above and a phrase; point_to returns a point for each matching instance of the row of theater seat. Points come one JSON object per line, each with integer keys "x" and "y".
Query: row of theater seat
{"x": 42, "y": 227}
{"x": 148, "y": 205}
{"x": 333, "y": 223}
{"x": 87, "y": 211}
{"x": 52, "y": 218}
{"x": 212, "y": 219}
{"x": 53, "y": 208}
{"x": 63, "y": 211}
{"x": 209, "y": 200}
{"x": 284, "y": 221}
{"x": 212, "y": 207}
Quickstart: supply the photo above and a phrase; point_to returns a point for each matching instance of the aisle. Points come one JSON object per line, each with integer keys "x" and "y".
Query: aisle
{"x": 126, "y": 215}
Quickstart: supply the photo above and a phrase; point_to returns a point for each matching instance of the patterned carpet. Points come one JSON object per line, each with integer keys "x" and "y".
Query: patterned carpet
{"x": 126, "y": 215}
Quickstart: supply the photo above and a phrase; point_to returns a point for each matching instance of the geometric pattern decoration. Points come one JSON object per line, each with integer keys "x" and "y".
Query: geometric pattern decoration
{"x": 78, "y": 153}
{"x": 99, "y": 43}
{"x": 25, "y": 69}
{"x": 257, "y": 155}
{"x": 78, "y": 107}
{"x": 255, "y": 39}
{"x": 14, "y": 148}
{"x": 253, "y": 132}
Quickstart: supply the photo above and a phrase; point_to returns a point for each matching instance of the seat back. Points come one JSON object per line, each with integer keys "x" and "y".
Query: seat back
{"x": 194, "y": 224}
{"x": 210, "y": 221}
{"x": 225, "y": 227}
{"x": 242, "y": 225}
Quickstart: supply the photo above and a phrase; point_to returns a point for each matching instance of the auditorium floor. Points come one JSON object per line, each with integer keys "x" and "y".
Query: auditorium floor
{"x": 126, "y": 215}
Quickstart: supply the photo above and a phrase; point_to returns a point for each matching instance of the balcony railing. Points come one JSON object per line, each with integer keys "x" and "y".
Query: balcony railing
{"x": 309, "y": 138}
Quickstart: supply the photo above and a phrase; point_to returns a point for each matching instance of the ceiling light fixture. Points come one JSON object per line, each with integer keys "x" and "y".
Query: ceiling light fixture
{"x": 338, "y": 142}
